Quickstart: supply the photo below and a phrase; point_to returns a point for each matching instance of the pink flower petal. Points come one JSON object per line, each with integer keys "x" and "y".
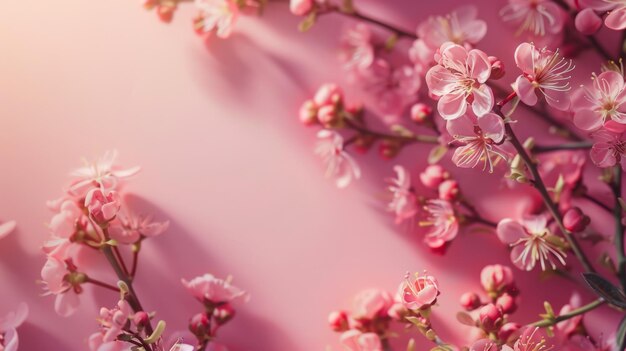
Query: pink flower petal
{"x": 492, "y": 126}
{"x": 525, "y": 91}
{"x": 452, "y": 106}
{"x": 616, "y": 19}
{"x": 510, "y": 231}
{"x": 524, "y": 57}
{"x": 479, "y": 66}
{"x": 587, "y": 120}
{"x": 483, "y": 100}
{"x": 66, "y": 304}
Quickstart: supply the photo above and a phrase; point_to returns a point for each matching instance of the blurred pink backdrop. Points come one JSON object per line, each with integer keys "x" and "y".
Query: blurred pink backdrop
{"x": 226, "y": 161}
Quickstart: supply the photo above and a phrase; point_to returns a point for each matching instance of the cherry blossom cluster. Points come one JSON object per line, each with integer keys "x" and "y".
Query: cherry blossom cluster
{"x": 91, "y": 221}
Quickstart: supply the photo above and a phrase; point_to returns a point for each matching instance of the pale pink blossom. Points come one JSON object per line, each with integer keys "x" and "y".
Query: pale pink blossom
{"x": 394, "y": 88}
{"x": 7, "y": 228}
{"x": 63, "y": 223}
{"x": 543, "y": 72}
{"x": 301, "y": 7}
{"x": 481, "y": 138}
{"x": 130, "y": 228}
{"x": 207, "y": 288}
{"x": 339, "y": 164}
{"x": 404, "y": 202}
{"x": 357, "y": 49}
{"x": 459, "y": 79}
{"x": 460, "y": 26}
{"x": 217, "y": 15}
{"x": 603, "y": 103}
{"x": 532, "y": 242}
{"x": 355, "y": 340}
{"x": 102, "y": 206}
{"x": 418, "y": 292}
{"x": 442, "y": 223}
{"x": 587, "y": 21}
{"x": 608, "y": 150}
{"x": 531, "y": 340}
{"x": 539, "y": 18}
{"x": 422, "y": 56}
{"x": 53, "y": 275}
{"x": 9, "y": 340}
{"x": 616, "y": 18}
{"x": 569, "y": 327}
{"x": 112, "y": 322}
{"x": 369, "y": 304}
{"x": 103, "y": 173}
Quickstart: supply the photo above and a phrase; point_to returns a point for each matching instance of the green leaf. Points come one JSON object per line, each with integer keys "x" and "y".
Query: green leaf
{"x": 465, "y": 318}
{"x": 401, "y": 130}
{"x": 606, "y": 290}
{"x": 437, "y": 153}
{"x": 308, "y": 22}
{"x": 391, "y": 42}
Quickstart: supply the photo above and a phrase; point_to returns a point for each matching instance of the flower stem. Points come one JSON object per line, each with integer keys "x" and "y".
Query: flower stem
{"x": 543, "y": 191}
{"x": 597, "y": 202}
{"x": 427, "y": 139}
{"x": 102, "y": 284}
{"x": 577, "y": 312}
{"x": 360, "y": 16}
{"x": 616, "y": 187}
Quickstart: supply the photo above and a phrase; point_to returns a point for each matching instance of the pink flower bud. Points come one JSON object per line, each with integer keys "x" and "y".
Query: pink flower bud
{"x": 223, "y": 313}
{"x": 420, "y": 112}
{"x": 338, "y": 321}
{"x": 433, "y": 175}
{"x": 300, "y": 7}
{"x": 328, "y": 94}
{"x": 328, "y": 115}
{"x": 308, "y": 113}
{"x": 575, "y": 220}
{"x": 389, "y": 149}
{"x": 490, "y": 317}
{"x": 507, "y": 303}
{"x": 418, "y": 292}
{"x": 449, "y": 190}
{"x": 507, "y": 330}
{"x": 588, "y": 22}
{"x": 497, "y": 68}
{"x": 496, "y": 278}
{"x": 200, "y": 325}
{"x": 166, "y": 12}
{"x": 102, "y": 207}
{"x": 363, "y": 143}
{"x": 141, "y": 318}
{"x": 470, "y": 301}
{"x": 149, "y": 4}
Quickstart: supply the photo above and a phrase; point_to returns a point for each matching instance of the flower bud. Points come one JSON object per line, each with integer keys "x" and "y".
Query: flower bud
{"x": 103, "y": 207}
{"x": 389, "y": 149}
{"x": 328, "y": 115}
{"x": 507, "y": 330}
{"x": 420, "y": 112}
{"x": 300, "y": 7}
{"x": 575, "y": 220}
{"x": 165, "y": 11}
{"x": 363, "y": 143}
{"x": 496, "y": 278}
{"x": 470, "y": 301}
{"x": 497, "y": 68}
{"x": 490, "y": 317}
{"x": 328, "y": 94}
{"x": 507, "y": 303}
{"x": 141, "y": 319}
{"x": 200, "y": 325}
{"x": 588, "y": 22}
{"x": 308, "y": 113}
{"x": 449, "y": 189}
{"x": 433, "y": 175}
{"x": 223, "y": 314}
{"x": 150, "y": 4}
{"x": 338, "y": 321}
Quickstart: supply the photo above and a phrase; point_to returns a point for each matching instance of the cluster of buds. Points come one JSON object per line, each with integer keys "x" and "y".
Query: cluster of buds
{"x": 490, "y": 312}
{"x": 164, "y": 8}
{"x": 327, "y": 108}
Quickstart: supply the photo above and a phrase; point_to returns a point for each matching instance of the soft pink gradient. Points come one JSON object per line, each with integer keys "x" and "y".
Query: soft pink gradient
{"x": 224, "y": 159}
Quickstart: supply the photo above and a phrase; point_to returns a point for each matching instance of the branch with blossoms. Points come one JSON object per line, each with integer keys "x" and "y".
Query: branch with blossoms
{"x": 91, "y": 219}
{"x": 444, "y": 93}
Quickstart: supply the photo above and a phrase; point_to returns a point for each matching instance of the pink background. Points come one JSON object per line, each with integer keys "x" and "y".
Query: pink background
{"x": 225, "y": 160}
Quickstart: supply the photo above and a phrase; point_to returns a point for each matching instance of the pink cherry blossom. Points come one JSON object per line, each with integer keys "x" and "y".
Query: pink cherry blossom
{"x": 418, "y": 292}
{"x": 442, "y": 223}
{"x": 209, "y": 288}
{"x": 544, "y": 72}
{"x": 538, "y": 18}
{"x": 481, "y": 138}
{"x": 357, "y": 49}
{"x": 459, "y": 79}
{"x": 369, "y": 304}
{"x": 300, "y": 7}
{"x": 531, "y": 340}
{"x": 63, "y": 224}
{"x": 9, "y": 340}
{"x": 102, "y": 206}
{"x": 6, "y": 228}
{"x": 608, "y": 150}
{"x": 217, "y": 15}
{"x": 460, "y": 26}
{"x": 355, "y": 340}
{"x": 603, "y": 103}
{"x": 531, "y": 241}
{"x": 112, "y": 322}
{"x": 102, "y": 173}
{"x": 339, "y": 164}
{"x": 129, "y": 228}
{"x": 616, "y": 18}
{"x": 53, "y": 275}
{"x": 394, "y": 88}
{"x": 404, "y": 203}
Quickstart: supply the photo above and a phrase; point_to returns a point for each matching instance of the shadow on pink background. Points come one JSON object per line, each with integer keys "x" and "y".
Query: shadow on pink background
{"x": 226, "y": 161}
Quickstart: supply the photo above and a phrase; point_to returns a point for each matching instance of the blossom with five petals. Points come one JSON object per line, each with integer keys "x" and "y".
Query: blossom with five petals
{"x": 339, "y": 164}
